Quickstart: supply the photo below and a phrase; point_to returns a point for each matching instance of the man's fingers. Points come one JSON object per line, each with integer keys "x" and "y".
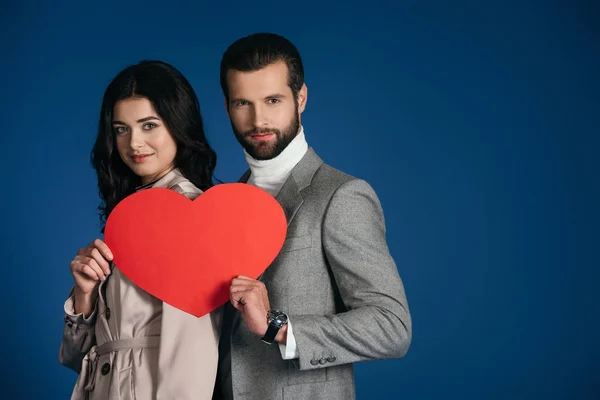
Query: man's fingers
{"x": 249, "y": 291}
{"x": 238, "y": 306}
{"x": 240, "y": 291}
{"x": 252, "y": 290}
{"x": 241, "y": 286}
{"x": 245, "y": 279}
{"x": 237, "y": 300}
{"x": 246, "y": 282}
{"x": 240, "y": 301}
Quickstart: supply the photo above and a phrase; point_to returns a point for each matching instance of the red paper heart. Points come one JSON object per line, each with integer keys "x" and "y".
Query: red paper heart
{"x": 187, "y": 252}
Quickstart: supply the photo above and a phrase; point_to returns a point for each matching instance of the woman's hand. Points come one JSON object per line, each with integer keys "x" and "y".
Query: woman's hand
{"x": 90, "y": 266}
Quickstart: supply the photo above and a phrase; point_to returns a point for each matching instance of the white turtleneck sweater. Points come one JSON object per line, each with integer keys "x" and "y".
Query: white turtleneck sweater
{"x": 270, "y": 175}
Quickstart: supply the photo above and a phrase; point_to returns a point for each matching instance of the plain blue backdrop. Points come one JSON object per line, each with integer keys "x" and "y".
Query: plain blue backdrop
{"x": 476, "y": 122}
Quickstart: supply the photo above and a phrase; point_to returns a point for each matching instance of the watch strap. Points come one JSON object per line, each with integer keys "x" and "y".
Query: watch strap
{"x": 269, "y": 336}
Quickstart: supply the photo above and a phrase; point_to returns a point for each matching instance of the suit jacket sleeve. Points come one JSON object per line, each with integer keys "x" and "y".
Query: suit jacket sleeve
{"x": 376, "y": 323}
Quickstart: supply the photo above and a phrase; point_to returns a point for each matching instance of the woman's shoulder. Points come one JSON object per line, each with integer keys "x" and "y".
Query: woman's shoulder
{"x": 179, "y": 183}
{"x": 186, "y": 188}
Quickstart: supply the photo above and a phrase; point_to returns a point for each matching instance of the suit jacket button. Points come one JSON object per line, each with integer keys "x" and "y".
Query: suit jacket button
{"x": 331, "y": 358}
{"x": 322, "y": 361}
{"x": 314, "y": 361}
{"x": 107, "y": 314}
{"x": 105, "y": 369}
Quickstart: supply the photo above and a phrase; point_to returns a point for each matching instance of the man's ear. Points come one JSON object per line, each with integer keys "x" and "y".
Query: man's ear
{"x": 226, "y": 104}
{"x": 302, "y": 98}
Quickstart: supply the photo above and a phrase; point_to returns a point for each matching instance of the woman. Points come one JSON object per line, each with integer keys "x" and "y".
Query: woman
{"x": 123, "y": 342}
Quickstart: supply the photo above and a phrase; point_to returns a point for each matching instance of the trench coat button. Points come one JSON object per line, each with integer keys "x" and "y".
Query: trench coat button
{"x": 105, "y": 369}
{"x": 322, "y": 361}
{"x": 331, "y": 358}
{"x": 314, "y": 361}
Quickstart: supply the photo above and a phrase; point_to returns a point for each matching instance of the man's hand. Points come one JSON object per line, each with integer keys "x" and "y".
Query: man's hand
{"x": 250, "y": 298}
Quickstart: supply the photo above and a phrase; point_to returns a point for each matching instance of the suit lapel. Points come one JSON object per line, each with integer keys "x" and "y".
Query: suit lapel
{"x": 290, "y": 198}
{"x": 245, "y": 177}
{"x": 289, "y": 195}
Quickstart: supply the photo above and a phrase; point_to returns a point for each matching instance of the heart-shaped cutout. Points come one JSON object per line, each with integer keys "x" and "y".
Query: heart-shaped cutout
{"x": 187, "y": 252}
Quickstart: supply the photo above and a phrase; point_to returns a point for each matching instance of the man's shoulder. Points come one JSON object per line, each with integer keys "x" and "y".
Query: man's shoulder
{"x": 331, "y": 177}
{"x": 329, "y": 180}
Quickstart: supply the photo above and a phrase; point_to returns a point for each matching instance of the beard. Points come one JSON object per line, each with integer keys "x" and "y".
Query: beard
{"x": 264, "y": 150}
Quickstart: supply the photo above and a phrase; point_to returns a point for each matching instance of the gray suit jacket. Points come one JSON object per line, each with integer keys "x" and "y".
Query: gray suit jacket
{"x": 339, "y": 285}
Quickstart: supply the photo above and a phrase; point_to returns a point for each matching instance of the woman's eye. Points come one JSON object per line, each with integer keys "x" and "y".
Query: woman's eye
{"x": 149, "y": 126}
{"x": 120, "y": 130}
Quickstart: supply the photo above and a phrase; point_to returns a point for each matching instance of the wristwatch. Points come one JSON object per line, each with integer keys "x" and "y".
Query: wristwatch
{"x": 276, "y": 320}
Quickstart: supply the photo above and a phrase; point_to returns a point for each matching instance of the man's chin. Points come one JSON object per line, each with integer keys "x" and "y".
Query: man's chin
{"x": 261, "y": 152}
{"x": 262, "y": 156}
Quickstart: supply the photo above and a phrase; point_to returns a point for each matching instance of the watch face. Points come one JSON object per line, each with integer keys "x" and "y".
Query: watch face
{"x": 278, "y": 318}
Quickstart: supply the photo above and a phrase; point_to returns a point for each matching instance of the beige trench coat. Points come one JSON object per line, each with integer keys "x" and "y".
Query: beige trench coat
{"x": 134, "y": 346}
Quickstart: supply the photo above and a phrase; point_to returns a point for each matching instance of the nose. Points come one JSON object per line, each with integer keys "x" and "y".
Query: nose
{"x": 136, "y": 140}
{"x": 259, "y": 116}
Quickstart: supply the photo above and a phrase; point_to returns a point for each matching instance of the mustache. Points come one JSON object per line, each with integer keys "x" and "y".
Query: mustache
{"x": 259, "y": 131}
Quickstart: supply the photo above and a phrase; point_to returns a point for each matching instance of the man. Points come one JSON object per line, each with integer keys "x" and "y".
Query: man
{"x": 333, "y": 295}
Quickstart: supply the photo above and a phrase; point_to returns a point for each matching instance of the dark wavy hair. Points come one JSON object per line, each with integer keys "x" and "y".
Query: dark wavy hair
{"x": 176, "y": 103}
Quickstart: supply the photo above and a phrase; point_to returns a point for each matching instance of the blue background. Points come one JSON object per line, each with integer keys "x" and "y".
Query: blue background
{"x": 475, "y": 122}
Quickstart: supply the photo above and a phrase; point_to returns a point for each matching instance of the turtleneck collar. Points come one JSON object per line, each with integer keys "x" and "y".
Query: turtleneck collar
{"x": 271, "y": 174}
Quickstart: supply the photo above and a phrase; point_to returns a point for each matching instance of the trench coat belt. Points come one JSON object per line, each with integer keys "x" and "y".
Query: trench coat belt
{"x": 90, "y": 362}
